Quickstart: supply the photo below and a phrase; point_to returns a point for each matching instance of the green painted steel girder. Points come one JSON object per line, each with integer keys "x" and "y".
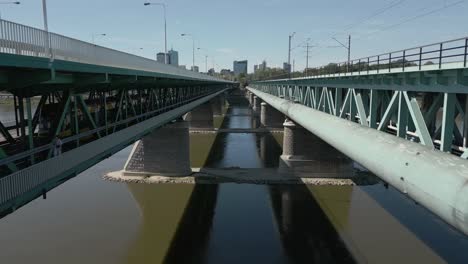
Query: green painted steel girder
{"x": 445, "y": 80}
{"x": 436, "y": 180}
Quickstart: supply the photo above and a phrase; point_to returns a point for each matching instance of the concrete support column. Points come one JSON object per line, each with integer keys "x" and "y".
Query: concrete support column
{"x": 217, "y": 105}
{"x": 166, "y": 152}
{"x": 251, "y": 99}
{"x": 307, "y": 153}
{"x": 201, "y": 117}
{"x": 270, "y": 117}
{"x": 256, "y": 103}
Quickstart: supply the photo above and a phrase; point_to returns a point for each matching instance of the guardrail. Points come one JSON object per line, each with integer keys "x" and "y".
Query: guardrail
{"x": 28, "y": 41}
{"x": 442, "y": 55}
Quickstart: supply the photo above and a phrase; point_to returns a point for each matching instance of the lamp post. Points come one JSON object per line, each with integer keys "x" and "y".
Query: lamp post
{"x": 289, "y": 52}
{"x": 8, "y": 3}
{"x": 93, "y": 36}
{"x": 165, "y": 27}
{"x": 46, "y": 28}
{"x": 348, "y": 48}
{"x": 193, "y": 47}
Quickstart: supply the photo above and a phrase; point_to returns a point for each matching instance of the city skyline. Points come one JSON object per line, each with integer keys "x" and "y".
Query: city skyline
{"x": 381, "y": 26}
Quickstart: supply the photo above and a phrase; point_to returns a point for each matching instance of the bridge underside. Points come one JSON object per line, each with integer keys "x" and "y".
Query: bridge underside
{"x": 427, "y": 107}
{"x": 408, "y": 133}
{"x": 94, "y": 110}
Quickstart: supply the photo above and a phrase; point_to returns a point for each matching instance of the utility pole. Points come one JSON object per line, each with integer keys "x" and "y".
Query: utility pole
{"x": 307, "y": 46}
{"x": 349, "y": 52}
{"x": 307, "y": 58}
{"x": 348, "y": 47}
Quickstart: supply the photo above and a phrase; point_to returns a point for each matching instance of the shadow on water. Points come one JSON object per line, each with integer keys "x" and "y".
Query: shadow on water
{"x": 231, "y": 223}
{"x": 436, "y": 234}
{"x": 192, "y": 236}
{"x": 306, "y": 233}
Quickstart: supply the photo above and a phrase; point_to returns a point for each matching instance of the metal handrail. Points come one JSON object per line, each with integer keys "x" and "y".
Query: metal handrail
{"x": 394, "y": 57}
{"x": 405, "y": 59}
{"x": 418, "y": 47}
{"x": 29, "y": 41}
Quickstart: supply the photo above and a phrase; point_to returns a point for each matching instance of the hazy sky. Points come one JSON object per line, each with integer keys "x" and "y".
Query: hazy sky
{"x": 253, "y": 30}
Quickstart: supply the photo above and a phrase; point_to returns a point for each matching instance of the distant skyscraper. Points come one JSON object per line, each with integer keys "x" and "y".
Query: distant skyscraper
{"x": 240, "y": 67}
{"x": 173, "y": 57}
{"x": 160, "y": 57}
{"x": 287, "y": 67}
{"x": 263, "y": 66}
{"x": 255, "y": 68}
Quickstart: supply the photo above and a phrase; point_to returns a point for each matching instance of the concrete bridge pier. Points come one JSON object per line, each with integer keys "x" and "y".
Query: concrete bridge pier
{"x": 303, "y": 152}
{"x": 165, "y": 152}
{"x": 201, "y": 117}
{"x": 270, "y": 117}
{"x": 251, "y": 99}
{"x": 256, "y": 104}
{"x": 217, "y": 105}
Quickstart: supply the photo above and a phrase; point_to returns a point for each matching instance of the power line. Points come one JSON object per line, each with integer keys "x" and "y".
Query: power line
{"x": 409, "y": 19}
{"x": 374, "y": 14}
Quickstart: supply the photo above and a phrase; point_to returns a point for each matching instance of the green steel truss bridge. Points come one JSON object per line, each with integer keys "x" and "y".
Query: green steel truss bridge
{"x": 403, "y": 115}
{"x": 97, "y": 100}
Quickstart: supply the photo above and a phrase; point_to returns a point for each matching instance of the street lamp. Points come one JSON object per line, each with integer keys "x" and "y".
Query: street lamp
{"x": 193, "y": 47}
{"x": 46, "y": 28}
{"x": 165, "y": 27}
{"x": 289, "y": 52}
{"x": 8, "y": 3}
{"x": 93, "y": 36}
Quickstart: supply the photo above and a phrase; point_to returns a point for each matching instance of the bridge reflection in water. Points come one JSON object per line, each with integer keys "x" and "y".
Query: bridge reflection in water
{"x": 225, "y": 223}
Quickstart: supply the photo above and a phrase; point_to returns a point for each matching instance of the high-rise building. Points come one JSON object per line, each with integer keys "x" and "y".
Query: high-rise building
{"x": 240, "y": 67}
{"x": 160, "y": 57}
{"x": 255, "y": 68}
{"x": 173, "y": 57}
{"x": 195, "y": 68}
{"x": 287, "y": 67}
{"x": 263, "y": 66}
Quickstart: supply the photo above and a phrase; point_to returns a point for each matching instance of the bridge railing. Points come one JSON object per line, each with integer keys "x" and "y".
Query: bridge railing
{"x": 25, "y": 40}
{"x": 442, "y": 55}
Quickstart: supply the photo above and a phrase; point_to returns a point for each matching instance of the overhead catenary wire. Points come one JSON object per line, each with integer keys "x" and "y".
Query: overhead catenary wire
{"x": 373, "y": 15}
{"x": 412, "y": 18}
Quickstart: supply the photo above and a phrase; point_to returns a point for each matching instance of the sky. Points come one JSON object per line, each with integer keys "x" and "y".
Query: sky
{"x": 255, "y": 30}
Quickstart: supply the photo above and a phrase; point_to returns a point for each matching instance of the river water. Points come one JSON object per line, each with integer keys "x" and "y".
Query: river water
{"x": 90, "y": 220}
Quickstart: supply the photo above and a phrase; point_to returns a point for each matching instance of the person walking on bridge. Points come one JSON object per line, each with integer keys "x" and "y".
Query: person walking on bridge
{"x": 57, "y": 146}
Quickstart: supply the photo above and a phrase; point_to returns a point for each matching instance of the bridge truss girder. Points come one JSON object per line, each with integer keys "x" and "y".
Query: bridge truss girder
{"x": 419, "y": 113}
{"x": 81, "y": 107}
